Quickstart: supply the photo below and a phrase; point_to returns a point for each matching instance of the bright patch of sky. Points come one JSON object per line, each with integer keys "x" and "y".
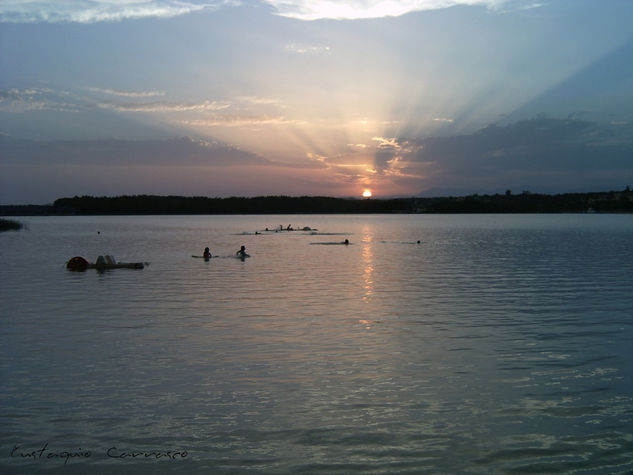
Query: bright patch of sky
{"x": 314, "y": 97}
{"x": 364, "y": 9}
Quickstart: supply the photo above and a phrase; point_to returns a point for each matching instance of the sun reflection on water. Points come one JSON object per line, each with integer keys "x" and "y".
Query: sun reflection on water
{"x": 368, "y": 267}
{"x": 367, "y": 255}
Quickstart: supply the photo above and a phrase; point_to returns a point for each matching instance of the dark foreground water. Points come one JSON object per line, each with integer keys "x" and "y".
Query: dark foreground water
{"x": 498, "y": 344}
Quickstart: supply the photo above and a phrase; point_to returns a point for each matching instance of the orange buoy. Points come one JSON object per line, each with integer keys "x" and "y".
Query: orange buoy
{"x": 77, "y": 263}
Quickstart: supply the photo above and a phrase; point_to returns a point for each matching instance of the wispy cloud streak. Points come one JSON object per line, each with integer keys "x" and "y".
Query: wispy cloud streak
{"x": 34, "y": 99}
{"x": 306, "y": 49}
{"x": 240, "y": 121}
{"x": 93, "y": 11}
{"x": 119, "y": 93}
{"x": 164, "y": 106}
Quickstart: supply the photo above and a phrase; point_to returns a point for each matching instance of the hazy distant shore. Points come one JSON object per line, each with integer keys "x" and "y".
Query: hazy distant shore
{"x": 526, "y": 202}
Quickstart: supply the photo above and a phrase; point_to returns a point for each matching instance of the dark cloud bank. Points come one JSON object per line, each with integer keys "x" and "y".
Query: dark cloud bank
{"x": 542, "y": 154}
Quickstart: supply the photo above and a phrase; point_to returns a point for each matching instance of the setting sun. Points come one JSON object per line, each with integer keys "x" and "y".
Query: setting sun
{"x": 367, "y": 194}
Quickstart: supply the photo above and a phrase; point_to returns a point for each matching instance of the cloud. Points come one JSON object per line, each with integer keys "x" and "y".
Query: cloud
{"x": 306, "y": 49}
{"x": 183, "y": 151}
{"x": 165, "y": 106}
{"x": 386, "y": 143}
{"x": 240, "y": 121}
{"x": 554, "y": 153}
{"x": 258, "y": 100}
{"x": 115, "y": 92}
{"x": 531, "y": 6}
{"x": 389, "y": 157}
{"x": 358, "y": 163}
{"x": 242, "y": 111}
{"x": 36, "y": 99}
{"x": 92, "y": 11}
{"x": 309, "y": 10}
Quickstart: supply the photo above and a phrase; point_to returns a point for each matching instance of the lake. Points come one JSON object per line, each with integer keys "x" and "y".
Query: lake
{"x": 497, "y": 344}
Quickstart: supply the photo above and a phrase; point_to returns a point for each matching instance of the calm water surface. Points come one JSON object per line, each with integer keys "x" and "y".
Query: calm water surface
{"x": 498, "y": 344}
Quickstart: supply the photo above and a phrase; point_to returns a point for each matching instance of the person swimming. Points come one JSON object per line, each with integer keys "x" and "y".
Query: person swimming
{"x": 346, "y": 242}
{"x": 206, "y": 254}
{"x": 242, "y": 252}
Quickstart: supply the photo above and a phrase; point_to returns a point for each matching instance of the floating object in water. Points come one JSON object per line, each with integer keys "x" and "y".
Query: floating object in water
{"x": 79, "y": 263}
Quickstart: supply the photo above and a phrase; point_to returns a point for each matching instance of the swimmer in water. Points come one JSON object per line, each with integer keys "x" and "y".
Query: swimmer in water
{"x": 242, "y": 252}
{"x": 206, "y": 254}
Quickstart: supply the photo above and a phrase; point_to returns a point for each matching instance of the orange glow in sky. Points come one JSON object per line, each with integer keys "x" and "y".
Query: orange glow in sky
{"x": 367, "y": 194}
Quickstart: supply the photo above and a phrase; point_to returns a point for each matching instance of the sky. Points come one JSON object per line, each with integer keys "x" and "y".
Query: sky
{"x": 314, "y": 97}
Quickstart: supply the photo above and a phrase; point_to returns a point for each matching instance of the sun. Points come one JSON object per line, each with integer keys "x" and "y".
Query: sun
{"x": 367, "y": 194}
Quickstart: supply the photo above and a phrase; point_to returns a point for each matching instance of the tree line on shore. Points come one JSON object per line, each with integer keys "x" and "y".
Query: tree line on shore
{"x": 526, "y": 202}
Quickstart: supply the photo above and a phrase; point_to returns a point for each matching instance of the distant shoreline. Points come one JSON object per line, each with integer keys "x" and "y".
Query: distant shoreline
{"x": 526, "y": 202}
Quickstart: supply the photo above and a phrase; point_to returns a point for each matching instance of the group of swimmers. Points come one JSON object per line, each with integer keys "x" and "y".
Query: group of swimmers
{"x": 281, "y": 228}
{"x": 241, "y": 253}
{"x": 287, "y": 228}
